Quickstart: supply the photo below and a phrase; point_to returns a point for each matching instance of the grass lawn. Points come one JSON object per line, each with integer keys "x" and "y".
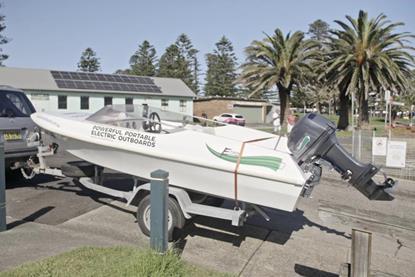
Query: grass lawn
{"x": 112, "y": 261}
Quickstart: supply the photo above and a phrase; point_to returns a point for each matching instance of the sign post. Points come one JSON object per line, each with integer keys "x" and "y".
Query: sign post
{"x": 3, "y": 225}
{"x": 159, "y": 195}
{"x": 361, "y": 253}
{"x": 387, "y": 100}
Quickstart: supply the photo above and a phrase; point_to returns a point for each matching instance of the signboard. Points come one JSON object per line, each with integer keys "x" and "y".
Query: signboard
{"x": 379, "y": 146}
{"x": 388, "y": 96}
{"x": 396, "y": 154}
{"x": 39, "y": 96}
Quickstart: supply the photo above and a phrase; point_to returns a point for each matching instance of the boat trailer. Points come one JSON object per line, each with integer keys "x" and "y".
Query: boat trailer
{"x": 185, "y": 204}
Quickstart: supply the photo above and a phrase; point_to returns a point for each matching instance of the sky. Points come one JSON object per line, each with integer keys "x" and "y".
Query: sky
{"x": 52, "y": 34}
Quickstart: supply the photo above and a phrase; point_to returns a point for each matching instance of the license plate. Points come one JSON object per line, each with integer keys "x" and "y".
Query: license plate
{"x": 12, "y": 135}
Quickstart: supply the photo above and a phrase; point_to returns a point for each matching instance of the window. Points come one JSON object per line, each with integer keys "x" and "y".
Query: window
{"x": 164, "y": 104}
{"x": 128, "y": 101}
{"x": 107, "y": 100}
{"x": 183, "y": 104}
{"x": 62, "y": 102}
{"x": 18, "y": 103}
{"x": 84, "y": 103}
{"x": 145, "y": 110}
{"x": 226, "y": 115}
{"x": 14, "y": 104}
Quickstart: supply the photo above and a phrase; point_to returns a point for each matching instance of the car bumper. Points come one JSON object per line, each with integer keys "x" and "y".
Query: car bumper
{"x": 20, "y": 153}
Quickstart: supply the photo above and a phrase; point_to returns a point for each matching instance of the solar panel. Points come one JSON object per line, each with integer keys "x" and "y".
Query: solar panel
{"x": 99, "y": 81}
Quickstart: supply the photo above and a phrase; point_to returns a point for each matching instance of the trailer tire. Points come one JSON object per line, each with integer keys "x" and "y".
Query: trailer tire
{"x": 175, "y": 217}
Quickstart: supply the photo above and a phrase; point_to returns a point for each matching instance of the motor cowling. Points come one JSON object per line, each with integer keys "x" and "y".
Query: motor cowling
{"x": 313, "y": 138}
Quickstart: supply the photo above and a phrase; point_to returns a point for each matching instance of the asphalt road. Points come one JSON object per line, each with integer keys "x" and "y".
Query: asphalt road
{"x": 52, "y": 200}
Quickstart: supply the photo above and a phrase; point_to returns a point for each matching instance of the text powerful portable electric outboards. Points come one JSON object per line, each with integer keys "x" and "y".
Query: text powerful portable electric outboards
{"x": 313, "y": 138}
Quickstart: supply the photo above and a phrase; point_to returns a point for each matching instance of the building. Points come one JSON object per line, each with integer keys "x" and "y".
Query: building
{"x": 51, "y": 90}
{"x": 254, "y": 111}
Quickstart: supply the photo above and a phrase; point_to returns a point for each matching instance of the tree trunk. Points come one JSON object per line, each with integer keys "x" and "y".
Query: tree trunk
{"x": 343, "y": 110}
{"x": 334, "y": 104}
{"x": 319, "y": 107}
{"x": 284, "y": 95}
{"x": 363, "y": 120}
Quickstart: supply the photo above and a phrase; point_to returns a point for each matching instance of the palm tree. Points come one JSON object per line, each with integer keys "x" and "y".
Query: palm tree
{"x": 278, "y": 60}
{"x": 318, "y": 95}
{"x": 367, "y": 55}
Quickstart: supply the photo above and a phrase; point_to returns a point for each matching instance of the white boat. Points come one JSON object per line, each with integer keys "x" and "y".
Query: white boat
{"x": 228, "y": 161}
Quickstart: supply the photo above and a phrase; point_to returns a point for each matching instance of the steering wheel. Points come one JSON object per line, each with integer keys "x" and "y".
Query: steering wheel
{"x": 153, "y": 124}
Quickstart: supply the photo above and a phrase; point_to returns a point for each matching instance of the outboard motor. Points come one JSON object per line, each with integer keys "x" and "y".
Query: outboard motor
{"x": 313, "y": 138}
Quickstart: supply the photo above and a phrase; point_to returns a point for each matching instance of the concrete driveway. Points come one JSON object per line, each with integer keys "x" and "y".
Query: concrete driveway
{"x": 49, "y": 216}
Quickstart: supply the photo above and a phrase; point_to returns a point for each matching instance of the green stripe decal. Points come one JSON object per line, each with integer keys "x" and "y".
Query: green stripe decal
{"x": 273, "y": 163}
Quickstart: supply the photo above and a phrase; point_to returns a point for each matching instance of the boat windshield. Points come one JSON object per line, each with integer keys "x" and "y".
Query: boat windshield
{"x": 149, "y": 119}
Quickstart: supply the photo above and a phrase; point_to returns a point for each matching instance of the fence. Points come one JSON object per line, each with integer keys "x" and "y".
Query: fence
{"x": 360, "y": 145}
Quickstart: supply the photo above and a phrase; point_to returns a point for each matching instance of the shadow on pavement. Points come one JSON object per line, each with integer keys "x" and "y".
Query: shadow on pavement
{"x": 288, "y": 222}
{"x": 80, "y": 190}
{"x": 306, "y": 271}
{"x": 283, "y": 223}
{"x": 31, "y": 217}
{"x": 67, "y": 196}
{"x": 16, "y": 180}
{"x": 217, "y": 229}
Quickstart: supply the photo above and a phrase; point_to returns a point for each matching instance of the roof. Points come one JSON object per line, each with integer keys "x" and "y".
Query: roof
{"x": 42, "y": 80}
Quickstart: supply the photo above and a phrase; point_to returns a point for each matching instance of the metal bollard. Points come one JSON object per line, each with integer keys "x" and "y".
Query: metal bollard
{"x": 159, "y": 194}
{"x": 3, "y": 225}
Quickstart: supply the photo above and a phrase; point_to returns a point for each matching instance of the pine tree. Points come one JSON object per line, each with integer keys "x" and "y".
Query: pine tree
{"x": 319, "y": 30}
{"x": 89, "y": 62}
{"x": 189, "y": 53}
{"x": 123, "y": 71}
{"x": 172, "y": 64}
{"x": 3, "y": 39}
{"x": 221, "y": 72}
{"x": 144, "y": 59}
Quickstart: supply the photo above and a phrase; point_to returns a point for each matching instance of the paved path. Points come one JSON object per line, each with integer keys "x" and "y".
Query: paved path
{"x": 313, "y": 241}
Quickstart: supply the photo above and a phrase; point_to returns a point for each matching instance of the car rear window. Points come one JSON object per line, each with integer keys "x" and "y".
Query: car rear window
{"x": 226, "y": 115}
{"x": 14, "y": 104}
{"x": 238, "y": 116}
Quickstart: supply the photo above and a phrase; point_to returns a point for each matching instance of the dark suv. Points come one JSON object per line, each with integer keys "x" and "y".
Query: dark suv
{"x": 16, "y": 125}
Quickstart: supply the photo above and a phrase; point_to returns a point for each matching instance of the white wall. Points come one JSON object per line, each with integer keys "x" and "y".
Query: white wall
{"x": 48, "y": 101}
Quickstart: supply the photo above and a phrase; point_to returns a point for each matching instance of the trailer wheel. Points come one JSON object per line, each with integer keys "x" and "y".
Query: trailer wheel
{"x": 175, "y": 216}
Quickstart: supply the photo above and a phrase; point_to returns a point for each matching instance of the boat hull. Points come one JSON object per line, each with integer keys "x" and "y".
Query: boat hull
{"x": 250, "y": 189}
